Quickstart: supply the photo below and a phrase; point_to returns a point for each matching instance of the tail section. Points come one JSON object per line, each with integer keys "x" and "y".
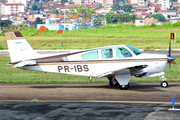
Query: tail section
{"x": 19, "y": 48}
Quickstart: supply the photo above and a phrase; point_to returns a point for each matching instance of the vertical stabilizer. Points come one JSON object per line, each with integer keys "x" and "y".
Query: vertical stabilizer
{"x": 19, "y": 48}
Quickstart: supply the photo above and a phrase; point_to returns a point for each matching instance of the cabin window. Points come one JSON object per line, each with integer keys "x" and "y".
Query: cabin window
{"x": 122, "y": 52}
{"x": 107, "y": 53}
{"x": 90, "y": 55}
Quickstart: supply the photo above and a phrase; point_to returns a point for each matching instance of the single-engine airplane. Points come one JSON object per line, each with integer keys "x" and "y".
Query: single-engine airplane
{"x": 118, "y": 62}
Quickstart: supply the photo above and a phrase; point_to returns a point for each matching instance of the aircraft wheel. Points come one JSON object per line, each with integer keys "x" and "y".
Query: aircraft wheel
{"x": 164, "y": 84}
{"x": 124, "y": 87}
{"x": 113, "y": 83}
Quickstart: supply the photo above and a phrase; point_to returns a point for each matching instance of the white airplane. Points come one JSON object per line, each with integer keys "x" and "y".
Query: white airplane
{"x": 118, "y": 63}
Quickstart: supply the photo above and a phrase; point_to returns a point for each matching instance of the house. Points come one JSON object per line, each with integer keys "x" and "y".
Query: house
{"x": 138, "y": 13}
{"x": 47, "y": 8}
{"x": 102, "y": 11}
{"x": 171, "y": 13}
{"x": 163, "y": 12}
{"x": 173, "y": 18}
{"x": 11, "y": 8}
{"x": 120, "y": 11}
{"x": 147, "y": 21}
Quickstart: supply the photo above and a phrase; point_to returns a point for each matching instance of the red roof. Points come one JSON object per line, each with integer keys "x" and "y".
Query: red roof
{"x": 5, "y": 15}
{"x": 22, "y": 13}
{"x": 74, "y": 17}
{"x": 155, "y": 5}
{"x": 90, "y": 6}
{"x": 86, "y": 20}
{"x": 48, "y": 11}
{"x": 162, "y": 11}
{"x": 58, "y": 6}
{"x": 46, "y": 7}
{"x": 71, "y": 5}
{"x": 44, "y": 19}
{"x": 4, "y": 2}
{"x": 146, "y": 14}
{"x": 52, "y": 15}
{"x": 62, "y": 17}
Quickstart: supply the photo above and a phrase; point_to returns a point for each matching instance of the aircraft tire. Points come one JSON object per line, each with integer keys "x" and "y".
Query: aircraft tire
{"x": 164, "y": 84}
{"x": 124, "y": 87}
{"x": 113, "y": 83}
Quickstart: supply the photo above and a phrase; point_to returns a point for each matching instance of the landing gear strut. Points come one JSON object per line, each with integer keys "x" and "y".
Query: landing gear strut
{"x": 124, "y": 87}
{"x": 164, "y": 83}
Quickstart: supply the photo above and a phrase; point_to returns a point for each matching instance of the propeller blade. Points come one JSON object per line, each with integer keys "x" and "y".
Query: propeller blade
{"x": 170, "y": 48}
{"x": 170, "y": 66}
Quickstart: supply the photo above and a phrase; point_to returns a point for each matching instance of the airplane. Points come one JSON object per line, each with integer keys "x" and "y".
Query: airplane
{"x": 118, "y": 62}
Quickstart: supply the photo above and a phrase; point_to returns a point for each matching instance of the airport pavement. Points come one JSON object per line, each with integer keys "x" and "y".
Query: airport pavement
{"x": 88, "y": 92}
{"x": 87, "y": 101}
{"x": 85, "y": 111}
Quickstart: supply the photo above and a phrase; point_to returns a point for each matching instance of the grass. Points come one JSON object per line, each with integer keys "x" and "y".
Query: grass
{"x": 145, "y": 37}
{"x": 13, "y": 75}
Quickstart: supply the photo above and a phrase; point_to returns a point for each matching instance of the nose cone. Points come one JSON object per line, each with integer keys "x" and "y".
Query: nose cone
{"x": 170, "y": 58}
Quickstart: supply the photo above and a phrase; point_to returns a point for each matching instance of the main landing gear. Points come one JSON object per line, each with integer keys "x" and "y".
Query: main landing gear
{"x": 114, "y": 83}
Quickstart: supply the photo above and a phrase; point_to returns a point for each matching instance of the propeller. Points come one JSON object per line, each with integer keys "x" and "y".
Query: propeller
{"x": 169, "y": 57}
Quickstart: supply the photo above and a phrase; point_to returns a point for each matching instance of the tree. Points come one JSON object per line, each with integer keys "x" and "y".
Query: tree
{"x": 38, "y": 21}
{"x": 83, "y": 12}
{"x": 156, "y": 9}
{"x": 34, "y": 7}
{"x": 54, "y": 12}
{"x": 109, "y": 18}
{"x": 126, "y": 17}
{"x": 160, "y": 17}
{"x": 5, "y": 23}
{"x": 63, "y": 1}
{"x": 127, "y": 8}
{"x": 115, "y": 7}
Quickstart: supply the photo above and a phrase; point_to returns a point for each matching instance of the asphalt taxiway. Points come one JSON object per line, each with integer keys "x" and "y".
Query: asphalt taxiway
{"x": 142, "y": 101}
{"x": 91, "y": 92}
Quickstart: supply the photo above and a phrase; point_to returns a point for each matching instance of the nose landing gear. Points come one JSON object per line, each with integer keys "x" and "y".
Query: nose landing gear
{"x": 164, "y": 83}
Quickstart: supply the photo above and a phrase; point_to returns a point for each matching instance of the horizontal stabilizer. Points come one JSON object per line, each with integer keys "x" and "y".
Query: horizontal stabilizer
{"x": 24, "y": 63}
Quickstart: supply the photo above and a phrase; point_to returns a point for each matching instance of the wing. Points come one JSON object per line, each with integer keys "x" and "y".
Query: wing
{"x": 132, "y": 68}
{"x": 24, "y": 63}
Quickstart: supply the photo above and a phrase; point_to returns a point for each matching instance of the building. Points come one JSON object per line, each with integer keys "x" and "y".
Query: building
{"x": 24, "y": 2}
{"x": 11, "y": 8}
{"x": 165, "y": 4}
{"x": 105, "y": 2}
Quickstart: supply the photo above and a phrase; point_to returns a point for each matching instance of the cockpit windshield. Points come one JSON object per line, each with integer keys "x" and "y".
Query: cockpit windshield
{"x": 135, "y": 50}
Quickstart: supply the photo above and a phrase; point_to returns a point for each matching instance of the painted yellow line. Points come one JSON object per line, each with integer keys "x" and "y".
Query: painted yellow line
{"x": 94, "y": 101}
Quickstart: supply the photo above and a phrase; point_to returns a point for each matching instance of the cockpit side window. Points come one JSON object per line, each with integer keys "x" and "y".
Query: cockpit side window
{"x": 135, "y": 50}
{"x": 122, "y": 52}
{"x": 107, "y": 53}
{"x": 90, "y": 55}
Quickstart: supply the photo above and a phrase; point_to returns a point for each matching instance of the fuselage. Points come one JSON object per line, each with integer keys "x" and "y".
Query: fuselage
{"x": 80, "y": 63}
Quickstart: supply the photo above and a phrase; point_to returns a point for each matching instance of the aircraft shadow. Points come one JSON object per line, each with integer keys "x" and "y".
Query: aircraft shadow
{"x": 143, "y": 87}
